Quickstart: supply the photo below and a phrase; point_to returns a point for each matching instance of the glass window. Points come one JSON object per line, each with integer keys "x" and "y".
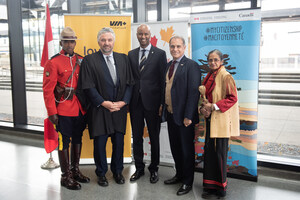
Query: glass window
{"x": 259, "y": 3}
{"x": 279, "y": 89}
{"x": 107, "y": 7}
{"x": 279, "y": 4}
{"x": 183, "y": 9}
{"x": 33, "y": 15}
{"x": 278, "y": 43}
{"x": 94, "y": 7}
{"x": 5, "y": 76}
{"x": 205, "y": 8}
{"x": 238, "y": 5}
{"x": 179, "y": 9}
{"x": 151, "y": 10}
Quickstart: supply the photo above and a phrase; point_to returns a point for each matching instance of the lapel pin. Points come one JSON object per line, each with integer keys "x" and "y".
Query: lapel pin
{"x": 181, "y": 64}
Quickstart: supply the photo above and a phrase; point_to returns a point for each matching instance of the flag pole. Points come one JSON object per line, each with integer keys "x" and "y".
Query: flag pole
{"x": 50, "y": 163}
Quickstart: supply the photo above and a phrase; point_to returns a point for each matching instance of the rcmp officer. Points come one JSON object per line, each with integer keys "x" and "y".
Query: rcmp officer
{"x": 64, "y": 109}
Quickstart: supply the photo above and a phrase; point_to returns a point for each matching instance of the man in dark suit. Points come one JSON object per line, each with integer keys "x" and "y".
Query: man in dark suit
{"x": 181, "y": 102}
{"x": 106, "y": 79}
{"x": 148, "y": 67}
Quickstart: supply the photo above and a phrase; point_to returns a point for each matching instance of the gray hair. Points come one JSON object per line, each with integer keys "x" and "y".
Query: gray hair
{"x": 106, "y": 30}
{"x": 218, "y": 52}
{"x": 143, "y": 25}
{"x": 177, "y": 37}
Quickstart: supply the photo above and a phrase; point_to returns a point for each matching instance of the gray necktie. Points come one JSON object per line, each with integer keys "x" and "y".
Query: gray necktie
{"x": 112, "y": 70}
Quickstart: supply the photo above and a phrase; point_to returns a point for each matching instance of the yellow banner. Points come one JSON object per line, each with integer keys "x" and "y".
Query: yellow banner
{"x": 86, "y": 28}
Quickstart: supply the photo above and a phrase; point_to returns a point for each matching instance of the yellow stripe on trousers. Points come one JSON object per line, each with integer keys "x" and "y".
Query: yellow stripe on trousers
{"x": 60, "y": 141}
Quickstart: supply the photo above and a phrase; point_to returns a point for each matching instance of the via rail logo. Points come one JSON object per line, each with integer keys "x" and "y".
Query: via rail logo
{"x": 117, "y": 24}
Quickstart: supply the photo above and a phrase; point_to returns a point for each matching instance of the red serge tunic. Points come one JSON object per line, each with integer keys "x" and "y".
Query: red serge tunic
{"x": 58, "y": 70}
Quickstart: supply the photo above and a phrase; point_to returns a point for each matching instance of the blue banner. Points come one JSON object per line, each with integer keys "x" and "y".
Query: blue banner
{"x": 240, "y": 42}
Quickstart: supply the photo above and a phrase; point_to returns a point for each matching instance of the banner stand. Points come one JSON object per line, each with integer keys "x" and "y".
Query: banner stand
{"x": 86, "y": 28}
{"x": 237, "y": 35}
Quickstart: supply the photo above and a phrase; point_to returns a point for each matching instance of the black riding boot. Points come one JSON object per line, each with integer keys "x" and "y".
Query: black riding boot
{"x": 75, "y": 157}
{"x": 66, "y": 176}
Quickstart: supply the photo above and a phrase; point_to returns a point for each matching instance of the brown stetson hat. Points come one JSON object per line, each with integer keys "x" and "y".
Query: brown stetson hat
{"x": 67, "y": 34}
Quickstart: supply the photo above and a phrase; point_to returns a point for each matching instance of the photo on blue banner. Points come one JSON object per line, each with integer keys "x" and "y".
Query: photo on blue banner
{"x": 239, "y": 41}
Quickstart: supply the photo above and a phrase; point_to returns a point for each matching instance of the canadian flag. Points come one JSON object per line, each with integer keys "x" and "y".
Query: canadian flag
{"x": 48, "y": 50}
{"x": 50, "y": 135}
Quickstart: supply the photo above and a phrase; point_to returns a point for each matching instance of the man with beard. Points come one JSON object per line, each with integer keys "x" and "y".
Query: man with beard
{"x": 106, "y": 79}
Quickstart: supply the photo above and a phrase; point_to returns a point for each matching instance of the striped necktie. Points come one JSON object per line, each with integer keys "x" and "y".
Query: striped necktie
{"x": 143, "y": 60}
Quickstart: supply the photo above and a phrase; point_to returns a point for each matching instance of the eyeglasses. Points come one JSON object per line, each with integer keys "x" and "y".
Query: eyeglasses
{"x": 213, "y": 60}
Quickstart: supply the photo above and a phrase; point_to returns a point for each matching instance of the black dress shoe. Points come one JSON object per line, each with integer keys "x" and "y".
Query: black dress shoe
{"x": 119, "y": 178}
{"x": 137, "y": 174}
{"x": 153, "y": 177}
{"x": 184, "y": 189}
{"x": 102, "y": 181}
{"x": 173, "y": 180}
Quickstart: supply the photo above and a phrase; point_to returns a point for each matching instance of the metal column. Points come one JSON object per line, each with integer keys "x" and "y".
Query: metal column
{"x": 139, "y": 11}
{"x": 17, "y": 65}
{"x": 162, "y": 10}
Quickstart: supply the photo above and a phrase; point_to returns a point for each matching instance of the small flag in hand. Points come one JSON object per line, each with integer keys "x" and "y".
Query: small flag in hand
{"x": 50, "y": 136}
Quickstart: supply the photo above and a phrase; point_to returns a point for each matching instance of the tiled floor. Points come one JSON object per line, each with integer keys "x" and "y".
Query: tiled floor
{"x": 22, "y": 178}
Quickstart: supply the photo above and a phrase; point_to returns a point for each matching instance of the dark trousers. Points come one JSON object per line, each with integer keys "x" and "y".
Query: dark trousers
{"x": 137, "y": 116}
{"x": 215, "y": 161}
{"x": 183, "y": 149}
{"x": 71, "y": 129}
{"x": 116, "y": 165}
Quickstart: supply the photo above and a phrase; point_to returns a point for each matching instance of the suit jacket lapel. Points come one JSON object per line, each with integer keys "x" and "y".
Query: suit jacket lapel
{"x": 150, "y": 55}
{"x": 180, "y": 68}
{"x": 105, "y": 68}
{"x": 135, "y": 65}
{"x": 136, "y": 55}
